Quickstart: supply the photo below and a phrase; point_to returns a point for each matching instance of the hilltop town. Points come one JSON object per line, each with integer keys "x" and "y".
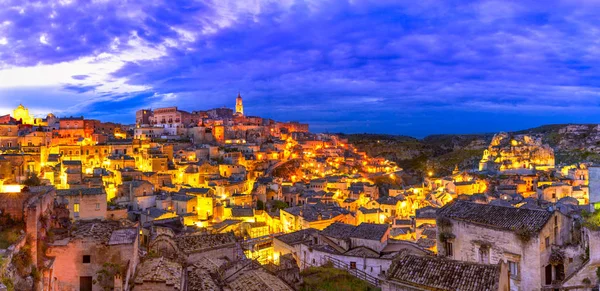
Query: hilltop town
{"x": 220, "y": 200}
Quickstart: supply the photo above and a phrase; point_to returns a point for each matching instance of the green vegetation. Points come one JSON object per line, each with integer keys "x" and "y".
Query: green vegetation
{"x": 260, "y": 205}
{"x": 9, "y": 236}
{"x": 327, "y": 278}
{"x": 591, "y": 220}
{"x": 32, "y": 180}
{"x": 524, "y": 234}
{"x": 10, "y": 231}
{"x": 278, "y": 204}
{"x": 437, "y": 153}
{"x": 23, "y": 260}
{"x": 8, "y": 283}
{"x": 105, "y": 276}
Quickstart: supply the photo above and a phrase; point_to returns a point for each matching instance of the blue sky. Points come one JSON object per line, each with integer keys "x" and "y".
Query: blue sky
{"x": 400, "y": 67}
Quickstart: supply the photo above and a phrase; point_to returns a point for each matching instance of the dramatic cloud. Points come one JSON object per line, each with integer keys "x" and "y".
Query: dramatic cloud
{"x": 406, "y": 67}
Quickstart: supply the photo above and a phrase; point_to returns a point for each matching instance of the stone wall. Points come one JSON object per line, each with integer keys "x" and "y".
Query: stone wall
{"x": 69, "y": 266}
{"x": 13, "y": 203}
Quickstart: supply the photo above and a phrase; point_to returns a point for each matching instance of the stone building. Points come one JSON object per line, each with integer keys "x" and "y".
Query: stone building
{"x": 83, "y": 204}
{"x": 514, "y": 152}
{"x": 525, "y": 239}
{"x": 82, "y": 253}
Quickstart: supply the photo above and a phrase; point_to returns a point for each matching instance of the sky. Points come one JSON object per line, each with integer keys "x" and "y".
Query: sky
{"x": 399, "y": 67}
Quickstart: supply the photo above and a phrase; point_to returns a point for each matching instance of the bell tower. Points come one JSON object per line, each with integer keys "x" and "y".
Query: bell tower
{"x": 239, "y": 107}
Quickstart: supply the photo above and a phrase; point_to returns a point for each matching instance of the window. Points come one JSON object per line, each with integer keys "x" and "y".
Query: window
{"x": 87, "y": 259}
{"x": 97, "y": 206}
{"x": 547, "y": 241}
{"x": 484, "y": 255}
{"x": 449, "y": 251}
{"x": 76, "y": 207}
{"x": 514, "y": 269}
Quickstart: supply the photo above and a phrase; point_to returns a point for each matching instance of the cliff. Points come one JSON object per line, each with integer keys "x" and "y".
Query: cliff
{"x": 571, "y": 143}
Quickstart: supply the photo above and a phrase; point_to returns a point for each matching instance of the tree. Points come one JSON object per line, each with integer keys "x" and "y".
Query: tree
{"x": 105, "y": 276}
{"x": 32, "y": 180}
{"x": 260, "y": 205}
{"x": 278, "y": 204}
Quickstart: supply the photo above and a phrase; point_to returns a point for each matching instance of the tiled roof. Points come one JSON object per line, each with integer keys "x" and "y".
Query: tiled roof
{"x": 433, "y": 273}
{"x": 499, "y": 217}
{"x": 370, "y": 231}
{"x": 310, "y": 212}
{"x": 426, "y": 212}
{"x": 426, "y": 242}
{"x": 160, "y": 270}
{"x": 177, "y": 197}
{"x": 387, "y": 200}
{"x": 368, "y": 211}
{"x": 123, "y": 236}
{"x": 242, "y": 212}
{"x": 155, "y": 212}
{"x": 198, "y": 243}
{"x": 399, "y": 231}
{"x": 362, "y": 252}
{"x": 338, "y": 230}
{"x": 72, "y": 163}
{"x": 297, "y": 236}
{"x": 82, "y": 191}
{"x": 195, "y": 190}
{"x": 258, "y": 280}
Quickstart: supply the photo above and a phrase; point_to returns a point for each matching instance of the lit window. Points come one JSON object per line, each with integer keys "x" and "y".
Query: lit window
{"x": 76, "y": 208}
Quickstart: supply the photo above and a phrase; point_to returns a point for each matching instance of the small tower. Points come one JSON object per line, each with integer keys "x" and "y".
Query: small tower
{"x": 239, "y": 107}
{"x": 456, "y": 170}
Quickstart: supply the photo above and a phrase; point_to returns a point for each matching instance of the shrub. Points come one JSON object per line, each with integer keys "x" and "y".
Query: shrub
{"x": 444, "y": 222}
{"x": 586, "y": 281}
{"x": 10, "y": 286}
{"x": 105, "y": 276}
{"x": 524, "y": 234}
{"x": 445, "y": 236}
{"x": 36, "y": 274}
{"x": 22, "y": 260}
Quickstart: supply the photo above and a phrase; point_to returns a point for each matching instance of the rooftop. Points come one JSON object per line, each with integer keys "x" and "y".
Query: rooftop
{"x": 499, "y": 217}
{"x": 195, "y": 243}
{"x": 160, "y": 270}
{"x": 433, "y": 273}
{"x": 371, "y": 231}
{"x": 82, "y": 191}
{"x": 123, "y": 236}
{"x": 258, "y": 280}
{"x": 297, "y": 237}
{"x": 338, "y": 230}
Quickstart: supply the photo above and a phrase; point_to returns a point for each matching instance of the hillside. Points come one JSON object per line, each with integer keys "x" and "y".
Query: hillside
{"x": 440, "y": 153}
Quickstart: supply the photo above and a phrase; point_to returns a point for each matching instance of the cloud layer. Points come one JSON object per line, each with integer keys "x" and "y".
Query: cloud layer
{"x": 354, "y": 66}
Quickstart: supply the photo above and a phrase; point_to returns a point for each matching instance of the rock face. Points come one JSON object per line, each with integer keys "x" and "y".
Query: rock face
{"x": 512, "y": 152}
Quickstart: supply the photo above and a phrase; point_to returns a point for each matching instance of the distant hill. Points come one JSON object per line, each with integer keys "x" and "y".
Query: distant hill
{"x": 440, "y": 153}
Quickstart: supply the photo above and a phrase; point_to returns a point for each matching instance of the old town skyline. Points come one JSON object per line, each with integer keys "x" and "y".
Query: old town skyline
{"x": 295, "y": 145}
{"x": 483, "y": 66}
